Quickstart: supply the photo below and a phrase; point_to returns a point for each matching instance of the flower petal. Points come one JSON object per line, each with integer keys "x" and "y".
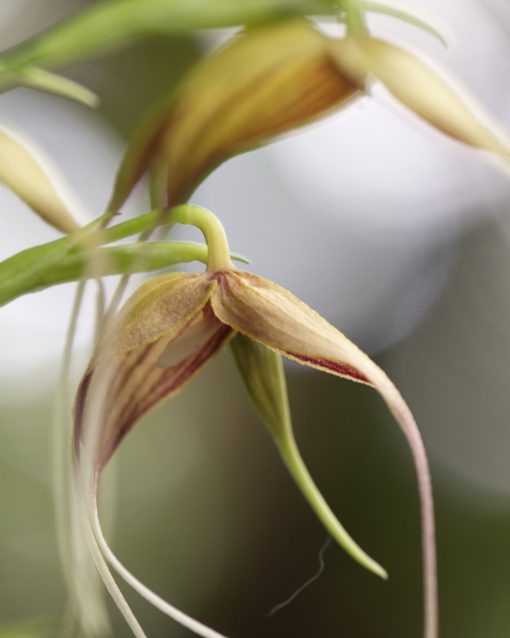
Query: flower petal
{"x": 421, "y": 88}
{"x": 268, "y": 81}
{"x": 271, "y": 315}
{"x": 163, "y": 336}
{"x": 29, "y": 176}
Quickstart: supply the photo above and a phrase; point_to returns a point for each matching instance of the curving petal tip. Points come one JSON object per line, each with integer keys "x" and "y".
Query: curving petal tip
{"x": 31, "y": 177}
{"x": 421, "y": 88}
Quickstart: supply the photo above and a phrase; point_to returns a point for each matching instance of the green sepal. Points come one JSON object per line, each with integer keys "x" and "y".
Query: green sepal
{"x": 262, "y": 372}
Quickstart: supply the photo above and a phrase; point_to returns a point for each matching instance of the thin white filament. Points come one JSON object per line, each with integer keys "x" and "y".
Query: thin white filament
{"x": 411, "y": 432}
{"x": 84, "y": 603}
{"x": 176, "y": 614}
{"x": 101, "y": 565}
{"x": 85, "y": 480}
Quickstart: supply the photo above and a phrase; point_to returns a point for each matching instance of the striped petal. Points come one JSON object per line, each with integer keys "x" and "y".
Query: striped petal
{"x": 164, "y": 335}
{"x": 273, "y": 316}
{"x": 419, "y": 87}
{"x": 264, "y": 83}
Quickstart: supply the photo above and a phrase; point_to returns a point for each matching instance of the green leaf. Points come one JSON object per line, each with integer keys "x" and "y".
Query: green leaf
{"x": 114, "y": 23}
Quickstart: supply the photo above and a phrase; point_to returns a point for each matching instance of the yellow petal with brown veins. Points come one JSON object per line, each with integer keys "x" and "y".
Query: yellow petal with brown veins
{"x": 160, "y": 340}
{"x": 262, "y": 84}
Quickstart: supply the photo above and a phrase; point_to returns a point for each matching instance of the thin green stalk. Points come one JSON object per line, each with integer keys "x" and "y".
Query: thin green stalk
{"x": 213, "y": 231}
{"x": 80, "y": 254}
{"x": 354, "y": 17}
{"x": 407, "y": 16}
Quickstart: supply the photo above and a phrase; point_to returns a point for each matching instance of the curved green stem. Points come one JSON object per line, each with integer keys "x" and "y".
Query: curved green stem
{"x": 213, "y": 231}
{"x": 406, "y": 16}
{"x": 43, "y": 80}
{"x": 354, "y": 17}
{"x": 116, "y": 260}
{"x": 68, "y": 258}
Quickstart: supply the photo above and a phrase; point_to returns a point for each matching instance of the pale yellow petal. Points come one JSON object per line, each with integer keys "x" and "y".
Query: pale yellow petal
{"x": 31, "y": 178}
{"x": 272, "y": 315}
{"x": 265, "y": 82}
{"x": 160, "y": 307}
{"x": 421, "y": 88}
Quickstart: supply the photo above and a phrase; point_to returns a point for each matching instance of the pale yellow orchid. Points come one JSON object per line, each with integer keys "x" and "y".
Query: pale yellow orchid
{"x": 175, "y": 323}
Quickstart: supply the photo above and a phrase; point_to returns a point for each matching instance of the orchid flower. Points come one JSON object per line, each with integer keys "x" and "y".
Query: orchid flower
{"x": 170, "y": 328}
{"x": 274, "y": 79}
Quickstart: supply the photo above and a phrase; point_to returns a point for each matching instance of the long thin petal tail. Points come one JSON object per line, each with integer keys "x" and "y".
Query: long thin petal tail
{"x": 164, "y": 334}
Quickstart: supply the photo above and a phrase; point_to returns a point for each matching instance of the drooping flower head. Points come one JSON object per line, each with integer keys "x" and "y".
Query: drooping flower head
{"x": 265, "y": 82}
{"x": 175, "y": 323}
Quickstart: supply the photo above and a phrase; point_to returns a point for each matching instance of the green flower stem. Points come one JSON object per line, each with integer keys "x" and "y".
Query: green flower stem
{"x": 405, "y": 16}
{"x": 117, "y": 260}
{"x": 18, "y": 273}
{"x": 43, "y": 80}
{"x": 124, "y": 260}
{"x": 111, "y": 24}
{"x": 354, "y": 17}
{"x": 213, "y": 231}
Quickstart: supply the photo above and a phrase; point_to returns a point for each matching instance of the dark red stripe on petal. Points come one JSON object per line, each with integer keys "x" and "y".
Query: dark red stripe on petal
{"x": 335, "y": 367}
{"x": 79, "y": 410}
{"x": 163, "y": 385}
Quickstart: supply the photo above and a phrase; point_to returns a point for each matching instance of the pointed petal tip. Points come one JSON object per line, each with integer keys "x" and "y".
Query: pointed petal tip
{"x": 422, "y": 88}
